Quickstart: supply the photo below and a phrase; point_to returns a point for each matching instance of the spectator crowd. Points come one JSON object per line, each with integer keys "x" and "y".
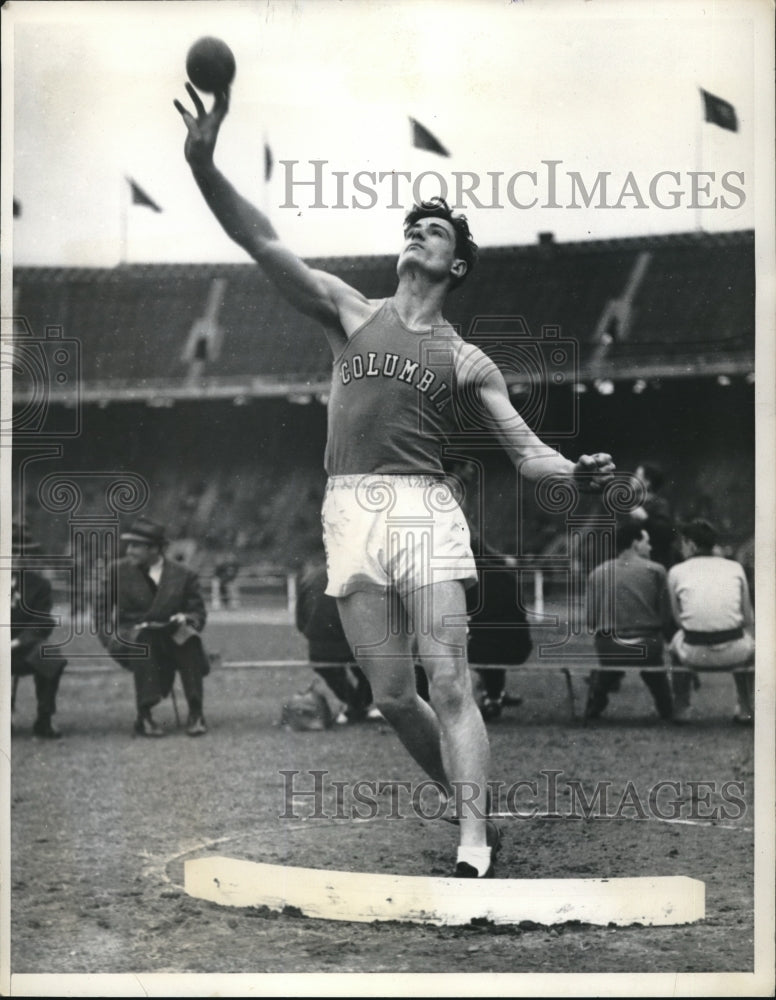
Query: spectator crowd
{"x": 670, "y": 603}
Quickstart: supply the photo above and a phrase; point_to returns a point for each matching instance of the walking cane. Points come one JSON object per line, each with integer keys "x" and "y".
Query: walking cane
{"x": 175, "y": 706}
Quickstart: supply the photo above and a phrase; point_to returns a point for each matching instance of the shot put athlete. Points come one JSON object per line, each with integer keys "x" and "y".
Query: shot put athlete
{"x": 399, "y": 368}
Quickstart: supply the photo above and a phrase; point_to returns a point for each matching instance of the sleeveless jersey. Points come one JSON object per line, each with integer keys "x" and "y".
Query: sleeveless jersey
{"x": 391, "y": 401}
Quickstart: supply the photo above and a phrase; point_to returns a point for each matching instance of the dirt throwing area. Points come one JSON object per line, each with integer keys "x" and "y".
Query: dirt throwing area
{"x": 102, "y": 824}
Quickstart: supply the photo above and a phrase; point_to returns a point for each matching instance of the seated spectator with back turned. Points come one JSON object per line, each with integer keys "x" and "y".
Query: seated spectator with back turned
{"x": 629, "y": 611}
{"x": 711, "y": 604}
{"x": 655, "y": 514}
{"x": 158, "y": 605}
{"x": 31, "y": 625}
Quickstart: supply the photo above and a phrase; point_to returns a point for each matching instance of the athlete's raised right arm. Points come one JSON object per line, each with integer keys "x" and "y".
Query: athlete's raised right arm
{"x": 316, "y": 293}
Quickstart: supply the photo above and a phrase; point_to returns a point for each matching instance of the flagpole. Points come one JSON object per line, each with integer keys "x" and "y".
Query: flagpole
{"x": 699, "y": 167}
{"x": 265, "y": 152}
{"x": 699, "y": 123}
{"x": 123, "y": 219}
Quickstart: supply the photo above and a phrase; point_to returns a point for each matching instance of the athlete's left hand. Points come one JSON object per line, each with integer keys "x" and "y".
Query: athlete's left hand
{"x": 593, "y": 472}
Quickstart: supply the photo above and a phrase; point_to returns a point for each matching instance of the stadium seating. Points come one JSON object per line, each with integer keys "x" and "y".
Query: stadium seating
{"x": 250, "y": 475}
{"x": 696, "y": 298}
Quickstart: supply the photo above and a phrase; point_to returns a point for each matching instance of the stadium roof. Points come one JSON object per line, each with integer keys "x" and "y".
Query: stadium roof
{"x": 633, "y": 308}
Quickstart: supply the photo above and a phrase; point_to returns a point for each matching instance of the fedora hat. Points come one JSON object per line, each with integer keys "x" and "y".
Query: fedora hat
{"x": 147, "y": 531}
{"x": 22, "y": 542}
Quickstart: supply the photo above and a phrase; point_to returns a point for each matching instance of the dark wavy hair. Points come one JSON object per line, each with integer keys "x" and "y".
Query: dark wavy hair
{"x": 628, "y": 531}
{"x": 465, "y": 247}
{"x": 654, "y": 473}
{"x": 701, "y": 532}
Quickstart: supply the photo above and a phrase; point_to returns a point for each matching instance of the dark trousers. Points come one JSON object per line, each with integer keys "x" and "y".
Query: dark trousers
{"x": 154, "y": 674}
{"x": 350, "y": 686}
{"x": 611, "y": 653}
{"x": 46, "y": 687}
{"x": 686, "y": 681}
{"x": 494, "y": 683}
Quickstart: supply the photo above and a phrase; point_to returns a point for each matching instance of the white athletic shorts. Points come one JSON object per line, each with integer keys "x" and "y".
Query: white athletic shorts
{"x": 386, "y": 531}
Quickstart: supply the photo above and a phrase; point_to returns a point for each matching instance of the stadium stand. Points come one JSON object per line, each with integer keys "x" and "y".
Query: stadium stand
{"x": 193, "y": 375}
{"x": 695, "y": 301}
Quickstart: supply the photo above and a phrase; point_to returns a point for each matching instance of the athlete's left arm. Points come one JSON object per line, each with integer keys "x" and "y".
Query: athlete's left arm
{"x": 486, "y": 388}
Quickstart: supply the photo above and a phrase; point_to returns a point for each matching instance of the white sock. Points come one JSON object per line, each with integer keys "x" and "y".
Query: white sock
{"x": 477, "y": 857}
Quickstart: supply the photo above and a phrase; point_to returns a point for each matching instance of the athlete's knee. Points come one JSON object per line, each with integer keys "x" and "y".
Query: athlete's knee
{"x": 390, "y": 692}
{"x": 449, "y": 691}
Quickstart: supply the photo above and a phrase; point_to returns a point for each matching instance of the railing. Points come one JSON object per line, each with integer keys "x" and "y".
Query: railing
{"x": 236, "y": 593}
{"x": 163, "y": 391}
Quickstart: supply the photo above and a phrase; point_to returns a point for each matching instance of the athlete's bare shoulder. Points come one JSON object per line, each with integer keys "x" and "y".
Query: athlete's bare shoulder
{"x": 352, "y": 307}
{"x": 472, "y": 365}
{"x": 360, "y": 312}
{"x": 351, "y": 310}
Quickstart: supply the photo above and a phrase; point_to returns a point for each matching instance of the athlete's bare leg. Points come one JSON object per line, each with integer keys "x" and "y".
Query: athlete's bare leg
{"x": 448, "y": 739}
{"x": 438, "y": 617}
{"x": 376, "y": 629}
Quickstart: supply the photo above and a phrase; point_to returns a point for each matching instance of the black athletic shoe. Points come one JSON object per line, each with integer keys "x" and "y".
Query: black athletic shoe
{"x": 43, "y": 729}
{"x": 195, "y": 726}
{"x": 491, "y": 708}
{"x": 145, "y": 726}
{"x": 464, "y": 870}
{"x": 493, "y": 839}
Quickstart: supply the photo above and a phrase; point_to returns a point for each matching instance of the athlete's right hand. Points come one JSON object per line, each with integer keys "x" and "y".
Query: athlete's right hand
{"x": 202, "y": 131}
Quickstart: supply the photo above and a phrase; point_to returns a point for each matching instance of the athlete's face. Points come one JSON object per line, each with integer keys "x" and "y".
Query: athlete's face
{"x": 429, "y": 244}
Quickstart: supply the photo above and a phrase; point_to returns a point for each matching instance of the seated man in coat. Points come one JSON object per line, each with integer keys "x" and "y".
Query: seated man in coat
{"x": 31, "y": 626}
{"x": 151, "y": 626}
